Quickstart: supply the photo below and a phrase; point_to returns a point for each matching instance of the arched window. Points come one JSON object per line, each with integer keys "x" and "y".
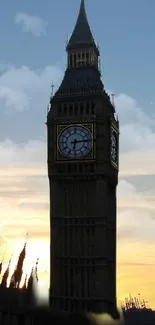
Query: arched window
{"x": 81, "y": 108}
{"x": 60, "y": 110}
{"x": 87, "y": 57}
{"x": 83, "y": 59}
{"x": 71, "y": 61}
{"x": 74, "y": 60}
{"x": 65, "y": 110}
{"x": 87, "y": 108}
{"x": 70, "y": 109}
{"x": 92, "y": 108}
{"x": 76, "y": 109}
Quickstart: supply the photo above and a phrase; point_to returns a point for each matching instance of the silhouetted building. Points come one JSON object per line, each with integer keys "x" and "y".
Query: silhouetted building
{"x": 83, "y": 153}
{"x": 139, "y": 316}
{"x": 14, "y": 300}
{"x": 18, "y": 272}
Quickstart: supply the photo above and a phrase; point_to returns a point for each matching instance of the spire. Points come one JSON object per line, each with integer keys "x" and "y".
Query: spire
{"x": 1, "y": 264}
{"x": 36, "y": 270}
{"x": 5, "y": 276}
{"x": 21, "y": 258}
{"x": 12, "y": 282}
{"x": 25, "y": 283}
{"x": 17, "y": 275}
{"x": 82, "y": 34}
{"x": 31, "y": 288}
{"x": 30, "y": 280}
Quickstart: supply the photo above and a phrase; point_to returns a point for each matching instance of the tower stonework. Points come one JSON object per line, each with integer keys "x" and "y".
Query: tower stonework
{"x": 83, "y": 153}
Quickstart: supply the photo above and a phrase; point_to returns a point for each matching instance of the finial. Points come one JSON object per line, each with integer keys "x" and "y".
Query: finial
{"x": 113, "y": 99}
{"x": 36, "y": 269}
{"x": 48, "y": 108}
{"x": 83, "y": 4}
{"x": 52, "y": 86}
{"x": 26, "y": 238}
{"x": 67, "y": 39}
{"x": 37, "y": 261}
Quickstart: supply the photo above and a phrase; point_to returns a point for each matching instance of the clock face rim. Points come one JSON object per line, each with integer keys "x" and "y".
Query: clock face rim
{"x": 88, "y": 149}
{"x": 114, "y": 136}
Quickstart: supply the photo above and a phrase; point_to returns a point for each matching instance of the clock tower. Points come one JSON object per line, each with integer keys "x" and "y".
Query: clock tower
{"x": 83, "y": 157}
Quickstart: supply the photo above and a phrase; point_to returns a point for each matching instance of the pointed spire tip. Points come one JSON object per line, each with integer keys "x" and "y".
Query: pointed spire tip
{"x": 82, "y": 34}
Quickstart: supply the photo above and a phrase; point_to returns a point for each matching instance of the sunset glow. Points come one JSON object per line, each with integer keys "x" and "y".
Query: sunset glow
{"x": 30, "y": 62}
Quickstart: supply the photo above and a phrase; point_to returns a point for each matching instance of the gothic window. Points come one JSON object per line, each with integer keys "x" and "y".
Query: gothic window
{"x": 88, "y": 281}
{"x": 83, "y": 59}
{"x": 72, "y": 306}
{"x": 71, "y": 110}
{"x": 66, "y": 305}
{"x": 71, "y": 279}
{"x": 76, "y": 109}
{"x": 66, "y": 280}
{"x": 92, "y": 108}
{"x": 69, "y": 168}
{"x": 81, "y": 168}
{"x": 81, "y": 108}
{"x": 82, "y": 281}
{"x": 83, "y": 305}
{"x": 60, "y": 110}
{"x": 61, "y": 304}
{"x": 87, "y": 57}
{"x": 91, "y": 169}
{"x": 79, "y": 59}
{"x": 65, "y": 110}
{"x": 74, "y": 60}
{"x": 71, "y": 60}
{"x": 87, "y": 108}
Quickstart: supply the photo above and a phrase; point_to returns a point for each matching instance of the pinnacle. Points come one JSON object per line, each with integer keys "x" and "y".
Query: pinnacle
{"x": 82, "y": 34}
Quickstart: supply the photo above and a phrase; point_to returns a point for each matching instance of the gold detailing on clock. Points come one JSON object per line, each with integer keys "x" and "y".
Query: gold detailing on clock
{"x": 87, "y": 127}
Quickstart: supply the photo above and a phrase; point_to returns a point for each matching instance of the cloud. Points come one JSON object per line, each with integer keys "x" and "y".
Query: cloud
{"x": 4, "y": 66}
{"x": 24, "y": 96}
{"x": 34, "y": 206}
{"x": 14, "y": 99}
{"x": 24, "y": 189}
{"x": 23, "y": 88}
{"x": 136, "y": 126}
{"x": 31, "y": 23}
{"x": 135, "y": 221}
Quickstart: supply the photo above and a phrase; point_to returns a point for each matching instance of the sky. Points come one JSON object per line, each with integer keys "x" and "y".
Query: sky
{"x": 33, "y": 36}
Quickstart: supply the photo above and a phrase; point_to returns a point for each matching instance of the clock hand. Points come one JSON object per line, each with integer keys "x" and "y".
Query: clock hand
{"x": 74, "y": 144}
{"x": 78, "y": 141}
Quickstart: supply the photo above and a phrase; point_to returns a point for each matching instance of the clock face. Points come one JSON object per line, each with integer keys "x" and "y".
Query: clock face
{"x": 75, "y": 142}
{"x": 114, "y": 146}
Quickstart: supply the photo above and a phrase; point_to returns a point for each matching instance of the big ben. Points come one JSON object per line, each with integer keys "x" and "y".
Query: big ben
{"x": 83, "y": 158}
